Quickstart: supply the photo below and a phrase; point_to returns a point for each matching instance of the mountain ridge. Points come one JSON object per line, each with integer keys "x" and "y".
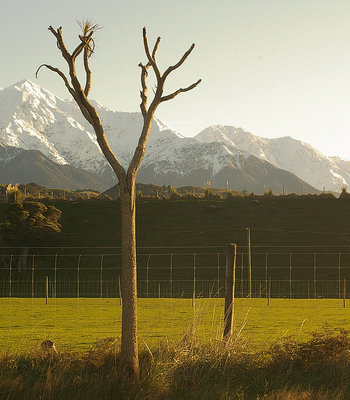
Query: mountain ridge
{"x": 25, "y": 166}
{"x": 34, "y": 118}
{"x": 286, "y": 153}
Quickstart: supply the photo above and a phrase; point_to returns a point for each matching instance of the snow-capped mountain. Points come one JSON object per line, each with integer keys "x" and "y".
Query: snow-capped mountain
{"x": 25, "y": 166}
{"x": 32, "y": 118}
{"x": 286, "y": 153}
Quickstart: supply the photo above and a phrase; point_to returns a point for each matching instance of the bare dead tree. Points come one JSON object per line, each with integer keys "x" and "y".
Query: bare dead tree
{"x": 127, "y": 178}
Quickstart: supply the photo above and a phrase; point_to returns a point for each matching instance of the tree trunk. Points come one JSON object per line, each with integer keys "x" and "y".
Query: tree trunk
{"x": 129, "y": 347}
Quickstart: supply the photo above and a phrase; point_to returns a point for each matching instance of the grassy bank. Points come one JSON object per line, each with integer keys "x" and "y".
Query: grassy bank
{"x": 315, "y": 369}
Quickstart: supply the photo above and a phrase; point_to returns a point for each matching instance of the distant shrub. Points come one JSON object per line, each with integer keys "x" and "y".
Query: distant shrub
{"x": 13, "y": 194}
{"x": 229, "y": 195}
{"x": 175, "y": 195}
{"x": 31, "y": 222}
{"x": 344, "y": 192}
{"x": 268, "y": 191}
{"x": 209, "y": 195}
{"x": 327, "y": 195}
{"x": 191, "y": 196}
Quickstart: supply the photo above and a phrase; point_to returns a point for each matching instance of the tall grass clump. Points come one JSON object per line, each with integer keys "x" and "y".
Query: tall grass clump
{"x": 317, "y": 369}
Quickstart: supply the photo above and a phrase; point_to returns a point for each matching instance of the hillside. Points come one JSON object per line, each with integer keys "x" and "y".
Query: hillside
{"x": 25, "y": 166}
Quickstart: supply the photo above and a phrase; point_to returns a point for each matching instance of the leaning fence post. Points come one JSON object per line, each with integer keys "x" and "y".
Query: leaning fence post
{"x": 230, "y": 280}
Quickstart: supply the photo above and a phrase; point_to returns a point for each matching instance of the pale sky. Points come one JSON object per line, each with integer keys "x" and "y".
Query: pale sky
{"x": 273, "y": 67}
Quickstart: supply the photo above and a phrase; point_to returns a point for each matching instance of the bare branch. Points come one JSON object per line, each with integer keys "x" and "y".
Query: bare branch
{"x": 60, "y": 43}
{"x": 87, "y": 71}
{"x": 148, "y": 114}
{"x": 85, "y": 42}
{"x": 155, "y": 48}
{"x": 72, "y": 72}
{"x": 80, "y": 96}
{"x": 70, "y": 89}
{"x": 150, "y": 58}
{"x": 179, "y": 63}
{"x": 143, "y": 92}
{"x": 59, "y": 72}
{"x": 181, "y": 90}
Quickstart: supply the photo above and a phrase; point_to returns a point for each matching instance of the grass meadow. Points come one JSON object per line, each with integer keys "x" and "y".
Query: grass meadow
{"x": 274, "y": 353}
{"x": 76, "y": 324}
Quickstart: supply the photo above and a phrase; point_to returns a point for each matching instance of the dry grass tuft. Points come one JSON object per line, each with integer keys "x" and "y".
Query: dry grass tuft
{"x": 318, "y": 369}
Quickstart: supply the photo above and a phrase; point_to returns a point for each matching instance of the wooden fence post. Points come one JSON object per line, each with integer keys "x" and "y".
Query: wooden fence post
{"x": 147, "y": 275}
{"x": 10, "y": 277}
{"x": 194, "y": 281}
{"x": 230, "y": 280}
{"x": 339, "y": 275}
{"x": 249, "y": 263}
{"x": 33, "y": 274}
{"x": 171, "y": 276}
{"x": 269, "y": 293}
{"x": 47, "y": 289}
{"x": 290, "y": 276}
{"x": 315, "y": 276}
{"x": 55, "y": 276}
{"x": 120, "y": 291}
{"x": 78, "y": 277}
{"x": 266, "y": 282}
{"x": 344, "y": 293}
{"x": 242, "y": 275}
{"x": 101, "y": 277}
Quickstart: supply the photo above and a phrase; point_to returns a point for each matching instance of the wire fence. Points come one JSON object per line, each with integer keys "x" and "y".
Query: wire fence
{"x": 73, "y": 296}
{"x": 180, "y": 274}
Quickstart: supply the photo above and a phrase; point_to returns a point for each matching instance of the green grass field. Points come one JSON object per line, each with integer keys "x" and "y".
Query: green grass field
{"x": 79, "y": 323}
